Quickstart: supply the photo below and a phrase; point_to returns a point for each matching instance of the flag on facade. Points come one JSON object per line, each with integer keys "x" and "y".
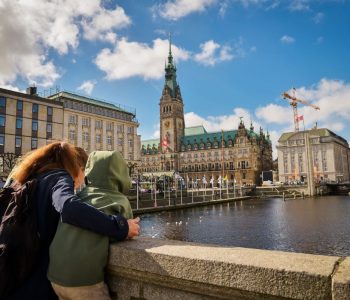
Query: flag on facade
{"x": 225, "y": 178}
{"x": 204, "y": 180}
{"x": 165, "y": 142}
{"x": 211, "y": 180}
{"x": 299, "y": 118}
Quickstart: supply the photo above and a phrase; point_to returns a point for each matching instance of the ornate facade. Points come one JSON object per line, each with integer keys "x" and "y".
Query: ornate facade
{"x": 193, "y": 152}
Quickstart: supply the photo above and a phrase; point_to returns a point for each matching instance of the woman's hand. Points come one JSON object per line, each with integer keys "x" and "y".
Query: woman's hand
{"x": 134, "y": 227}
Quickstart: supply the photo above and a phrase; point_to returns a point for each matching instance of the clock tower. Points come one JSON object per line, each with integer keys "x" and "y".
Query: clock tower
{"x": 172, "y": 122}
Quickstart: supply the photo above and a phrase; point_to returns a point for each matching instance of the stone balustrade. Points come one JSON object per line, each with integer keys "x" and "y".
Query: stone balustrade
{"x": 146, "y": 268}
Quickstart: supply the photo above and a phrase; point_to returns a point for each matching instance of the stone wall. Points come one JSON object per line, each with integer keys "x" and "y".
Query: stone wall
{"x": 146, "y": 268}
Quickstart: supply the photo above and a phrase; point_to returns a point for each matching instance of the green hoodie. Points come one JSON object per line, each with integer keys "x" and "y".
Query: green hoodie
{"x": 78, "y": 256}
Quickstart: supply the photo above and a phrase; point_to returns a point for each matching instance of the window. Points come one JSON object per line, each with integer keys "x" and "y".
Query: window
{"x": 109, "y": 140}
{"x": 2, "y": 102}
{"x": 120, "y": 142}
{"x": 130, "y": 142}
{"x": 85, "y": 122}
{"x": 85, "y": 136}
{"x": 49, "y": 127}
{"x": 2, "y": 120}
{"x": 49, "y": 111}
{"x": 34, "y": 125}
{"x": 98, "y": 124}
{"x": 19, "y": 105}
{"x": 2, "y": 140}
{"x": 120, "y": 128}
{"x": 18, "y": 123}
{"x": 35, "y": 108}
{"x": 130, "y": 130}
{"x": 109, "y": 126}
{"x": 34, "y": 143}
{"x": 98, "y": 138}
{"x": 72, "y": 119}
{"x": 72, "y": 134}
{"x": 18, "y": 143}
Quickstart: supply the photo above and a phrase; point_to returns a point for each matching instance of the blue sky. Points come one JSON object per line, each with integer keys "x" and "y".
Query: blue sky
{"x": 234, "y": 57}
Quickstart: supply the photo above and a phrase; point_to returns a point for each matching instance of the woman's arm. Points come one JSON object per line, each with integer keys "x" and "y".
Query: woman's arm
{"x": 77, "y": 213}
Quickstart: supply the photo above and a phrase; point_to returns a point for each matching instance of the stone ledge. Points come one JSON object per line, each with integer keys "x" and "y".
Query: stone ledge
{"x": 208, "y": 271}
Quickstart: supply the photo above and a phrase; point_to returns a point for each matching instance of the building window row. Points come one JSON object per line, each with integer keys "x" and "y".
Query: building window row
{"x": 98, "y": 110}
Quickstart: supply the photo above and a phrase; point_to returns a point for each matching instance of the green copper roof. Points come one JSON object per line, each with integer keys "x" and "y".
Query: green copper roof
{"x": 93, "y": 101}
{"x": 195, "y": 130}
{"x": 150, "y": 143}
{"x": 209, "y": 137}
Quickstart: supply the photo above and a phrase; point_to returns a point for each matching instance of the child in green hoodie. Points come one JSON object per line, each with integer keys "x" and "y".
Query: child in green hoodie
{"x": 77, "y": 256}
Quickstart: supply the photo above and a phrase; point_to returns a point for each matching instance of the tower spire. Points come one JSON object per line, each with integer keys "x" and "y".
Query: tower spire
{"x": 170, "y": 56}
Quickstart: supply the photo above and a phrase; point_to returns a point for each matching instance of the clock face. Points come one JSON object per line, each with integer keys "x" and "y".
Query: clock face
{"x": 167, "y": 124}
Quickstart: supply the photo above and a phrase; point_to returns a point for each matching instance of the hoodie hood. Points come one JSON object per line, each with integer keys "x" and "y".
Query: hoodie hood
{"x": 108, "y": 170}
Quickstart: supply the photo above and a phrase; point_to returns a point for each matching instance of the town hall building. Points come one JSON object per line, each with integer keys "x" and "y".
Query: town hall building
{"x": 193, "y": 153}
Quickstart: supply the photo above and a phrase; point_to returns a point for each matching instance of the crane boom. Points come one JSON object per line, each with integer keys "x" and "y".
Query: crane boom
{"x": 294, "y": 103}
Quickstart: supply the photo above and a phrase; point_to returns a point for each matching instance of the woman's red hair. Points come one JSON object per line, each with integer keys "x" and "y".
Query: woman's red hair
{"x": 57, "y": 155}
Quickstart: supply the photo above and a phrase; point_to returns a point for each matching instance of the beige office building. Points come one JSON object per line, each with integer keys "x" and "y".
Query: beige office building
{"x": 97, "y": 125}
{"x": 28, "y": 121}
{"x": 329, "y": 155}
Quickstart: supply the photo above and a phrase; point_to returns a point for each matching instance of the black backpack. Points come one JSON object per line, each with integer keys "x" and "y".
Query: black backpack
{"x": 19, "y": 238}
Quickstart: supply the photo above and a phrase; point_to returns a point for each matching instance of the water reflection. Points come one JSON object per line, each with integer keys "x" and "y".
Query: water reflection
{"x": 317, "y": 225}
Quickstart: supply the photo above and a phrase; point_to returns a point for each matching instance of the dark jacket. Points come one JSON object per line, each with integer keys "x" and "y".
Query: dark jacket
{"x": 56, "y": 199}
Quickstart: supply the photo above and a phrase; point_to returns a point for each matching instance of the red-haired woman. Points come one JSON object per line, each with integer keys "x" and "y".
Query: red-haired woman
{"x": 58, "y": 167}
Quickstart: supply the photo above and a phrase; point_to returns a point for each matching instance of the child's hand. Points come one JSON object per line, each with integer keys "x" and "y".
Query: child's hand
{"x": 134, "y": 227}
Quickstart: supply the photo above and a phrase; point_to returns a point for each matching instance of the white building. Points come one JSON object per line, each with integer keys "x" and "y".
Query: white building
{"x": 330, "y": 156}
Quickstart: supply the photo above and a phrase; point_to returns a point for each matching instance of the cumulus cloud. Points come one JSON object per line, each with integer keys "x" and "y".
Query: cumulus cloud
{"x": 318, "y": 18}
{"x": 213, "y": 53}
{"x": 299, "y": 5}
{"x": 331, "y": 96}
{"x": 177, "y": 9}
{"x": 129, "y": 59}
{"x": 87, "y": 86}
{"x": 44, "y": 26}
{"x": 286, "y": 39}
{"x": 217, "y": 123}
{"x": 100, "y": 26}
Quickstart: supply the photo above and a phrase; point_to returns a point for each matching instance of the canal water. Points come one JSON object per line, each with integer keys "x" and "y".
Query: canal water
{"x": 313, "y": 225}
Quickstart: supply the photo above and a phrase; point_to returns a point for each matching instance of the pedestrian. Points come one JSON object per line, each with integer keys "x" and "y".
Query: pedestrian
{"x": 58, "y": 168}
{"x": 78, "y": 257}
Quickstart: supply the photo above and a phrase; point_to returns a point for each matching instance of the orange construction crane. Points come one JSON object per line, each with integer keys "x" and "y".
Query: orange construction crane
{"x": 293, "y": 101}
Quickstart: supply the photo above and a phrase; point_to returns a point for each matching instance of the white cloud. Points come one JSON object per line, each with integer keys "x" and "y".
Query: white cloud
{"x": 44, "y": 26}
{"x": 217, "y": 123}
{"x": 87, "y": 86}
{"x": 101, "y": 25}
{"x": 129, "y": 59}
{"x": 213, "y": 53}
{"x": 299, "y": 5}
{"x": 286, "y": 39}
{"x": 331, "y": 96}
{"x": 156, "y": 133}
{"x": 177, "y": 9}
{"x": 318, "y": 18}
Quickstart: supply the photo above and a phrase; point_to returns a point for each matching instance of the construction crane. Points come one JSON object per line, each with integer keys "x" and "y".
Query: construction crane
{"x": 293, "y": 101}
